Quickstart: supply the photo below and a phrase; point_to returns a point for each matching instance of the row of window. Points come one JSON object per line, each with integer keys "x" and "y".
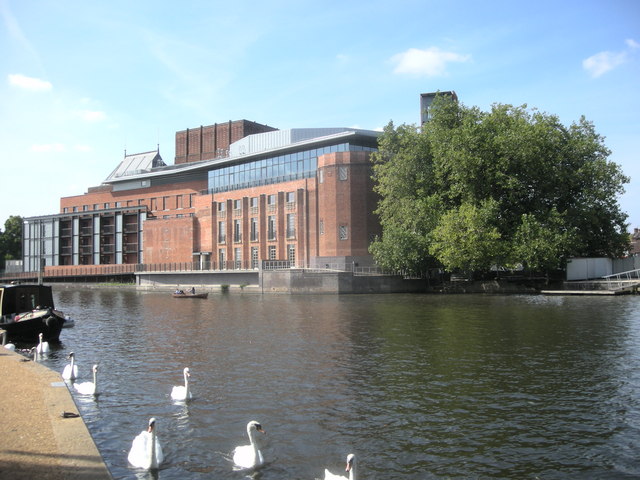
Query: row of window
{"x": 168, "y": 202}
{"x": 290, "y": 199}
{"x": 253, "y": 229}
{"x": 274, "y": 169}
{"x": 255, "y": 260}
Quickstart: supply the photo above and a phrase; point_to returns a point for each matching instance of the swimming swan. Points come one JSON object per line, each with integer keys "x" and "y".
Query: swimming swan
{"x": 146, "y": 451}
{"x": 70, "y": 371}
{"x": 43, "y": 347}
{"x": 181, "y": 392}
{"x": 351, "y": 468}
{"x": 88, "y": 388}
{"x": 249, "y": 456}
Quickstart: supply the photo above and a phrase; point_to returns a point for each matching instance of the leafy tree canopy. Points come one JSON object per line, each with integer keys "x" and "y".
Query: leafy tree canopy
{"x": 471, "y": 189}
{"x": 11, "y": 240}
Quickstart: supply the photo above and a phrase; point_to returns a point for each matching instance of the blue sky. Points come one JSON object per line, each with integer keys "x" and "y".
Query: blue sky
{"x": 82, "y": 81}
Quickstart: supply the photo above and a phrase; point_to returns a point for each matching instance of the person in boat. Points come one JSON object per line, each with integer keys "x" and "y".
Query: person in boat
{"x": 179, "y": 292}
{"x": 193, "y": 290}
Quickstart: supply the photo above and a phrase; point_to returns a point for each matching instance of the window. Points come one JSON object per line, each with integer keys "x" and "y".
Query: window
{"x": 321, "y": 227}
{"x": 254, "y": 257}
{"x": 291, "y": 254}
{"x": 254, "y": 229}
{"x": 272, "y": 252}
{"x": 222, "y": 259}
{"x": 237, "y": 257}
{"x": 237, "y": 231}
{"x": 237, "y": 204}
{"x": 321, "y": 176}
{"x": 291, "y": 197}
{"x": 106, "y": 205}
{"x": 222, "y": 232}
{"x": 343, "y": 173}
{"x": 344, "y": 232}
{"x": 85, "y": 208}
{"x": 271, "y": 227}
{"x": 222, "y": 206}
{"x": 291, "y": 225}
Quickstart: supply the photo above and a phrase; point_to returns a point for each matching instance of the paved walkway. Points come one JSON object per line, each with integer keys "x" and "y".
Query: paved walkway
{"x": 36, "y": 441}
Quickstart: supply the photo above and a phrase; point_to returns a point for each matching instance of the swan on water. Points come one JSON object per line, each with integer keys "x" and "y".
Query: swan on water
{"x": 43, "y": 347}
{"x": 88, "y": 388}
{"x": 182, "y": 392}
{"x": 70, "y": 371}
{"x": 8, "y": 346}
{"x": 351, "y": 468}
{"x": 146, "y": 451}
{"x": 249, "y": 456}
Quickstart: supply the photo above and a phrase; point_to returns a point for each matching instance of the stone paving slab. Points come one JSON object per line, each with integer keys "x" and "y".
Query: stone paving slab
{"x": 36, "y": 441}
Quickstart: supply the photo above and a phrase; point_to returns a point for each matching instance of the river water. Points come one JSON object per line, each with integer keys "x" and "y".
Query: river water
{"x": 417, "y": 386}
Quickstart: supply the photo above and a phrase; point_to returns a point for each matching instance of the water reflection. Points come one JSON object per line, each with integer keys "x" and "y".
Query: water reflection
{"x": 417, "y": 386}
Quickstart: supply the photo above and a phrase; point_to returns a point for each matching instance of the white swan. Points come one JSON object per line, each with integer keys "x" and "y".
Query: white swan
{"x": 88, "y": 388}
{"x": 146, "y": 451}
{"x": 249, "y": 456}
{"x": 43, "y": 347}
{"x": 8, "y": 346}
{"x": 181, "y": 392}
{"x": 351, "y": 468}
{"x": 70, "y": 371}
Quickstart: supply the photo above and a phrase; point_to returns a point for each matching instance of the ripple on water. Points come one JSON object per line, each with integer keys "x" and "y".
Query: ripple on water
{"x": 418, "y": 386}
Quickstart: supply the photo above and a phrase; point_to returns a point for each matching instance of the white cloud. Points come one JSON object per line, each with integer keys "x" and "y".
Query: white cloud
{"x": 431, "y": 62}
{"x": 92, "y": 115}
{"x": 47, "y": 148}
{"x": 631, "y": 43}
{"x": 29, "y": 83}
{"x": 603, "y": 62}
{"x": 82, "y": 148}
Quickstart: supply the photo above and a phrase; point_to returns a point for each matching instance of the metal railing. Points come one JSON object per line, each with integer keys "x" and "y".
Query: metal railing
{"x": 209, "y": 266}
{"x": 622, "y": 280}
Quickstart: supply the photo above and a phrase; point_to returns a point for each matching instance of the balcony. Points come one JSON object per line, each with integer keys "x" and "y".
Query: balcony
{"x": 107, "y": 248}
{"x": 130, "y": 248}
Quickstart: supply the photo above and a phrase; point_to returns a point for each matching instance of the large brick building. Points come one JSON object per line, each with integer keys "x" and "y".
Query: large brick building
{"x": 238, "y": 193}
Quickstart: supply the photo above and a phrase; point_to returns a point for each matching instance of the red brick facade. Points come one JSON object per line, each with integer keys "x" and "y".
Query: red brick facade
{"x": 213, "y": 141}
{"x": 312, "y": 220}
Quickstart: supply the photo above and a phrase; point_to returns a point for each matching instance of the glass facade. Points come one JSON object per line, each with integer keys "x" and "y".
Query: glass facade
{"x": 275, "y": 169}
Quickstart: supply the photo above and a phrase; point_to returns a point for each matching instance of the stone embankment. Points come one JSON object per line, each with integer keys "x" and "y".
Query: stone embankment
{"x": 41, "y": 434}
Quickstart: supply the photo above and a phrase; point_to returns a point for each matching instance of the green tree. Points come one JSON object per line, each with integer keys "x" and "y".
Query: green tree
{"x": 541, "y": 245}
{"x": 466, "y": 238}
{"x": 11, "y": 240}
{"x": 531, "y": 172}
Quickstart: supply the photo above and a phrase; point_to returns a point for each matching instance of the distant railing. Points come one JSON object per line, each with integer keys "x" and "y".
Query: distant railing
{"x": 619, "y": 281}
{"x": 227, "y": 265}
